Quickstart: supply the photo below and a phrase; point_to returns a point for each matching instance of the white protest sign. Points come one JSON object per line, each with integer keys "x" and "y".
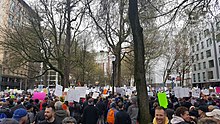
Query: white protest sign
{"x": 184, "y": 92}
{"x": 196, "y": 93}
{"x": 73, "y": 95}
{"x": 120, "y": 91}
{"x": 66, "y": 90}
{"x": 82, "y": 91}
{"x": 205, "y": 92}
{"x": 95, "y": 95}
{"x": 129, "y": 92}
{"x": 177, "y": 92}
{"x": 58, "y": 90}
{"x": 150, "y": 94}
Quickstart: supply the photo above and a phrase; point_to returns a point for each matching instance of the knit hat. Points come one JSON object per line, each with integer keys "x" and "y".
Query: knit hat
{"x": 19, "y": 113}
{"x": 203, "y": 108}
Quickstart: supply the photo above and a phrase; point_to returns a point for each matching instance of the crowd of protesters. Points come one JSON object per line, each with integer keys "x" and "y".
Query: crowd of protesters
{"x": 117, "y": 109}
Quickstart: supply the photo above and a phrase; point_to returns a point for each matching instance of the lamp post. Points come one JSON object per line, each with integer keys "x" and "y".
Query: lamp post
{"x": 113, "y": 74}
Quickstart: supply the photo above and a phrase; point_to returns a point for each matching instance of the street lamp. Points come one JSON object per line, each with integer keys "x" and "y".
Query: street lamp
{"x": 113, "y": 74}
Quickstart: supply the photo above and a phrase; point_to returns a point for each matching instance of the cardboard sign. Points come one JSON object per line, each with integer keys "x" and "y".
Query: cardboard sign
{"x": 95, "y": 95}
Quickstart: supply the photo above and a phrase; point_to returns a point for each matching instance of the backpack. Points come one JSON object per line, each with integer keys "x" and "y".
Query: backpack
{"x": 111, "y": 116}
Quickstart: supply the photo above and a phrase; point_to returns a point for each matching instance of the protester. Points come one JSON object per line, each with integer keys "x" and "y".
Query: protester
{"x": 111, "y": 113}
{"x": 133, "y": 110}
{"x": 214, "y": 114}
{"x": 69, "y": 120}
{"x": 20, "y": 115}
{"x": 181, "y": 116}
{"x": 50, "y": 116}
{"x": 160, "y": 116}
{"x": 208, "y": 121}
{"x": 60, "y": 114}
{"x": 121, "y": 116}
{"x": 90, "y": 113}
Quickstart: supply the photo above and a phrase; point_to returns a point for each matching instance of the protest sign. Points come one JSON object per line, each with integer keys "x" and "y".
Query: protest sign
{"x": 58, "y": 90}
{"x": 82, "y": 91}
{"x": 73, "y": 95}
{"x": 205, "y": 92}
{"x": 162, "y": 97}
{"x": 39, "y": 95}
{"x": 217, "y": 90}
{"x": 196, "y": 93}
{"x": 95, "y": 95}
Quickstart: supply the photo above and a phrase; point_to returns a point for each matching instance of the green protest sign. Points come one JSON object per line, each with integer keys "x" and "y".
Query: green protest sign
{"x": 162, "y": 98}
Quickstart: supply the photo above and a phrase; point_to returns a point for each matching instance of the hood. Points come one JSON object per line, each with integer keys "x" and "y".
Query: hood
{"x": 61, "y": 113}
{"x": 176, "y": 119}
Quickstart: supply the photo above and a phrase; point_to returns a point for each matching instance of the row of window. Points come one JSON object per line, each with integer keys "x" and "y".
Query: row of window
{"x": 208, "y": 43}
{"x": 210, "y": 62}
{"x": 196, "y": 57}
{"x": 206, "y": 34}
{"x": 204, "y": 76}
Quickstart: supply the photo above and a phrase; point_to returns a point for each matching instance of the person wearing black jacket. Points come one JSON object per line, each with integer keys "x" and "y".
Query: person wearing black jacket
{"x": 90, "y": 113}
{"x": 121, "y": 116}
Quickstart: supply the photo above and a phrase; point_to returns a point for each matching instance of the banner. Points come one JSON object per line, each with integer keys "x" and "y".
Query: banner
{"x": 82, "y": 91}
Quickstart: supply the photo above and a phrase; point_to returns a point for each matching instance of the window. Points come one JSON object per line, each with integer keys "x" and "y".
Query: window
{"x": 200, "y": 36}
{"x": 198, "y": 77}
{"x": 194, "y": 77}
{"x": 206, "y": 33}
{"x": 203, "y": 76}
{"x": 210, "y": 75}
{"x": 208, "y": 53}
{"x": 12, "y": 6}
{"x": 202, "y": 56}
{"x": 204, "y": 65}
{"x": 197, "y": 47}
{"x": 194, "y": 67}
{"x": 218, "y": 26}
{"x": 218, "y": 37}
{"x": 195, "y": 38}
{"x": 219, "y": 61}
{"x": 209, "y": 42}
{"x": 202, "y": 45}
{"x": 193, "y": 49}
{"x": 192, "y": 59}
{"x": 199, "y": 66}
{"x": 211, "y": 63}
{"x": 197, "y": 57}
{"x": 191, "y": 41}
{"x": 219, "y": 48}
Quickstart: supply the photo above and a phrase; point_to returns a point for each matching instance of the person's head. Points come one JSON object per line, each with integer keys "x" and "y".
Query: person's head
{"x": 183, "y": 112}
{"x": 20, "y": 115}
{"x": 160, "y": 115}
{"x": 69, "y": 120}
{"x": 202, "y": 109}
{"x": 210, "y": 108}
{"x": 49, "y": 112}
{"x": 58, "y": 105}
{"x": 208, "y": 121}
{"x": 120, "y": 106}
{"x": 90, "y": 101}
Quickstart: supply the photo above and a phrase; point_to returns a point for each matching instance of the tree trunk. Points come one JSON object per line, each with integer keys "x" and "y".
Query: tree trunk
{"x": 67, "y": 46}
{"x": 139, "y": 74}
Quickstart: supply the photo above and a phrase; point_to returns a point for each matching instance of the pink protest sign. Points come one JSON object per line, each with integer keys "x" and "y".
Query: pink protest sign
{"x": 217, "y": 89}
{"x": 39, "y": 95}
